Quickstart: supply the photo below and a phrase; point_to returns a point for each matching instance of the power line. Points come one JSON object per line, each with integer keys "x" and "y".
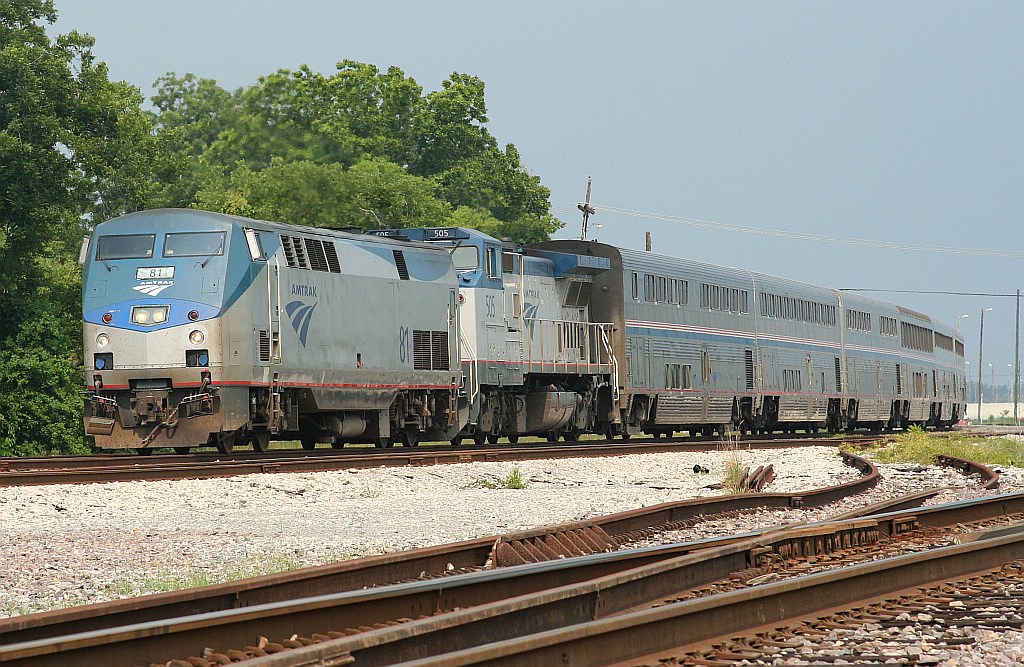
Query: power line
{"x": 916, "y": 291}
{"x": 803, "y": 236}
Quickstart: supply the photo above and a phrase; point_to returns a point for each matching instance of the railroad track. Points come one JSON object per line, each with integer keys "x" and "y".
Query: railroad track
{"x": 595, "y": 586}
{"x": 116, "y": 468}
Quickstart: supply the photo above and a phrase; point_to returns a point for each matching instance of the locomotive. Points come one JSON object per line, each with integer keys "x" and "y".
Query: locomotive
{"x": 208, "y": 329}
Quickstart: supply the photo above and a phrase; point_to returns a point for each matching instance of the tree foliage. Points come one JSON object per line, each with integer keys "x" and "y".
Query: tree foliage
{"x": 72, "y": 145}
{"x": 358, "y": 148}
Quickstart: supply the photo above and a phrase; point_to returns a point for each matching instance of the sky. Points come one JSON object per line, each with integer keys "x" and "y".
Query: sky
{"x": 897, "y": 124}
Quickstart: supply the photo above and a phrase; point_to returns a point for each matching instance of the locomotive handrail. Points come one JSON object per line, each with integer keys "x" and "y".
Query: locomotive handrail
{"x": 544, "y": 332}
{"x": 474, "y": 382}
{"x": 605, "y": 329}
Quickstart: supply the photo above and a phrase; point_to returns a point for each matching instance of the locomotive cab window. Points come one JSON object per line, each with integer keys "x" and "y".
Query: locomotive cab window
{"x": 125, "y": 246}
{"x": 493, "y": 263}
{"x": 252, "y": 239}
{"x": 466, "y": 258}
{"x": 194, "y": 244}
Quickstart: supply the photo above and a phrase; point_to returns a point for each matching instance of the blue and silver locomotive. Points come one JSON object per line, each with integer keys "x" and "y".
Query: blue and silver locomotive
{"x": 203, "y": 328}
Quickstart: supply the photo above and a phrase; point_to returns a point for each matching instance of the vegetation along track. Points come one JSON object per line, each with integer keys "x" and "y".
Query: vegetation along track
{"x": 116, "y": 468}
{"x": 361, "y": 609}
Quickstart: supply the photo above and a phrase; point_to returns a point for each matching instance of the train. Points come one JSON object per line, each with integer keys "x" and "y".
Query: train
{"x": 206, "y": 329}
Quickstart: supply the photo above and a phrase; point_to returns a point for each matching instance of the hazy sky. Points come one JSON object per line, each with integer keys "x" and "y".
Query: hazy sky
{"x": 889, "y": 122}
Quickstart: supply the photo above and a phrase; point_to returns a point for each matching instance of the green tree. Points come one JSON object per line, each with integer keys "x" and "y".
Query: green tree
{"x": 73, "y": 146}
{"x": 360, "y": 147}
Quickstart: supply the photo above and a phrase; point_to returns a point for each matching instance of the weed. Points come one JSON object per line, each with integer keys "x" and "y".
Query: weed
{"x": 513, "y": 480}
{"x": 370, "y": 491}
{"x": 733, "y": 472}
{"x": 194, "y": 577}
{"x": 919, "y": 446}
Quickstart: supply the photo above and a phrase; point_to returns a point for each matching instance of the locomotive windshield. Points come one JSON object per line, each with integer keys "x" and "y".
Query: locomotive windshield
{"x": 194, "y": 244}
{"x": 466, "y": 258}
{"x": 125, "y": 246}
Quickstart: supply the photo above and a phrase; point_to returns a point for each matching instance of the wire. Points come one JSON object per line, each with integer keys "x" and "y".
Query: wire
{"x": 803, "y": 236}
{"x": 916, "y": 291}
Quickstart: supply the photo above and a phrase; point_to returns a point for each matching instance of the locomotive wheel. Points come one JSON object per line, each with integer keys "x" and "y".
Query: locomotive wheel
{"x": 260, "y": 442}
{"x": 552, "y": 436}
{"x": 410, "y": 438}
{"x": 338, "y": 444}
{"x": 182, "y": 450}
{"x": 308, "y": 443}
{"x": 225, "y": 442}
{"x": 513, "y": 439}
{"x": 144, "y": 451}
{"x": 382, "y": 442}
{"x": 493, "y": 439}
{"x": 479, "y": 438}
{"x": 456, "y": 441}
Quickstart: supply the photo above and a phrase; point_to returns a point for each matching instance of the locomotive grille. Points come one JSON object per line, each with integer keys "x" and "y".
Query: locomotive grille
{"x": 332, "y": 257}
{"x": 315, "y": 253}
{"x": 294, "y": 253}
{"x": 403, "y": 270}
{"x": 264, "y": 345}
{"x": 430, "y": 350}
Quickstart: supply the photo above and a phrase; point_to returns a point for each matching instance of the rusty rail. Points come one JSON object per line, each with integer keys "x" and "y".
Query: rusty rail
{"x": 554, "y": 607}
{"x": 514, "y": 548}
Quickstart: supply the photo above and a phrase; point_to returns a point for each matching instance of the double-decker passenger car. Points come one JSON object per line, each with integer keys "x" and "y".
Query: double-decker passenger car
{"x": 706, "y": 348}
{"x": 202, "y": 328}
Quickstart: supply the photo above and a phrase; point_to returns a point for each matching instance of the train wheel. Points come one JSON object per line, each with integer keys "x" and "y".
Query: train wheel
{"x": 479, "y": 438}
{"x": 382, "y": 442}
{"x": 552, "y": 436}
{"x": 456, "y": 441}
{"x": 260, "y": 442}
{"x": 513, "y": 439}
{"x": 144, "y": 451}
{"x": 410, "y": 438}
{"x": 182, "y": 450}
{"x": 308, "y": 443}
{"x": 493, "y": 439}
{"x": 225, "y": 442}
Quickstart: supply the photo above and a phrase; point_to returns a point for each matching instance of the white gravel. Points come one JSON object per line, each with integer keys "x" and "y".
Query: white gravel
{"x": 67, "y": 545}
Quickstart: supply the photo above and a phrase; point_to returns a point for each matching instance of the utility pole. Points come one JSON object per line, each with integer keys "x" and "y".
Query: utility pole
{"x": 981, "y": 346}
{"x": 1016, "y": 363}
{"x": 588, "y": 210}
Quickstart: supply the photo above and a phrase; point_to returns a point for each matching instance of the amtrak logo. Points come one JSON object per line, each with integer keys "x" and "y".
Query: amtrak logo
{"x": 152, "y": 289}
{"x": 300, "y": 314}
{"x": 529, "y": 314}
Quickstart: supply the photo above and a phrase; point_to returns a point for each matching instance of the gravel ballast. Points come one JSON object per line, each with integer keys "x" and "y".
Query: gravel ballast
{"x": 76, "y": 544}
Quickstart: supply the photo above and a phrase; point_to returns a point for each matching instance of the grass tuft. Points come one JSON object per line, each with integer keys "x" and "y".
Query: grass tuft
{"x": 513, "y": 480}
{"x": 733, "y": 472}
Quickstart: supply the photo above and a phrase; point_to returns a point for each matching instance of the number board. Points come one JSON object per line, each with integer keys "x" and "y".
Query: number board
{"x": 444, "y": 233}
{"x": 150, "y": 273}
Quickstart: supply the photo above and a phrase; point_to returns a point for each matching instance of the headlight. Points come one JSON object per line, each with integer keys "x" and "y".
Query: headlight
{"x": 149, "y": 315}
{"x": 102, "y": 340}
{"x": 197, "y": 337}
